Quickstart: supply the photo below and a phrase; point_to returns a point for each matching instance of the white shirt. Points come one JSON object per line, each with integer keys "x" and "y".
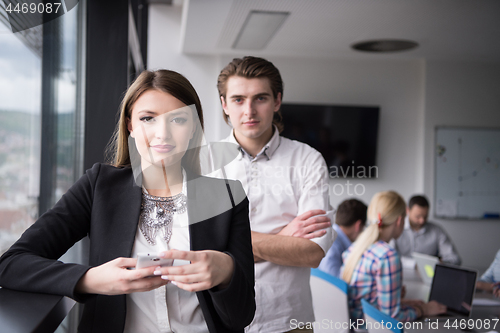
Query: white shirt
{"x": 166, "y": 309}
{"x": 287, "y": 178}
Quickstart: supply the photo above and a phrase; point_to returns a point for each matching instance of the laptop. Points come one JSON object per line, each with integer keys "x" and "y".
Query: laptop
{"x": 425, "y": 266}
{"x": 454, "y": 287}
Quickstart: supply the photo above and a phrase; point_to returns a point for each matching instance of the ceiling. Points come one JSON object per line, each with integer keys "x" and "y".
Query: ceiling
{"x": 461, "y": 30}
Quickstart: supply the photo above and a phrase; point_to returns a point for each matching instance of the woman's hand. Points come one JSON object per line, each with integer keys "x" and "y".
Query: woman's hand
{"x": 206, "y": 270}
{"x": 113, "y": 278}
{"x": 432, "y": 308}
{"x": 413, "y": 302}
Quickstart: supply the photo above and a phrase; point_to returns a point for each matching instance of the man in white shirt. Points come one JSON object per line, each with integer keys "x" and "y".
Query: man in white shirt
{"x": 287, "y": 185}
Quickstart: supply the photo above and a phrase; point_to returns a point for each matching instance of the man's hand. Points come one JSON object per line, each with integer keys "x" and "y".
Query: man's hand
{"x": 308, "y": 225}
{"x": 496, "y": 289}
{"x": 286, "y": 250}
{"x": 257, "y": 259}
{"x": 486, "y": 286}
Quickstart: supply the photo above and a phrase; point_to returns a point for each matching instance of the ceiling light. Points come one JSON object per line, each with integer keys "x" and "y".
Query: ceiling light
{"x": 385, "y": 45}
{"x": 258, "y": 29}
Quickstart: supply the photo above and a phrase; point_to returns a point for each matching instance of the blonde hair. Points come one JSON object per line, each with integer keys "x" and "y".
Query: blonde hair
{"x": 390, "y": 205}
{"x": 169, "y": 82}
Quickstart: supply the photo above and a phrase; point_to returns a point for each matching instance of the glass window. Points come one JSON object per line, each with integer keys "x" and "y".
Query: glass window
{"x": 20, "y": 111}
{"x": 40, "y": 119}
{"x": 41, "y": 124}
{"x": 68, "y": 124}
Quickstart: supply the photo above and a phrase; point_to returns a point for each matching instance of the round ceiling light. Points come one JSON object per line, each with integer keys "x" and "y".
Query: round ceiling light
{"x": 385, "y": 45}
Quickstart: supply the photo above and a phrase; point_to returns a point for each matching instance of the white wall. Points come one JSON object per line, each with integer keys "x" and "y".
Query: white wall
{"x": 395, "y": 86}
{"x": 164, "y": 44}
{"x": 462, "y": 94}
{"x": 414, "y": 97}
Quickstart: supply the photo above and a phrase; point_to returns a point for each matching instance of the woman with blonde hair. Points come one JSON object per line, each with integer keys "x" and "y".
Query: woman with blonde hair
{"x": 372, "y": 267}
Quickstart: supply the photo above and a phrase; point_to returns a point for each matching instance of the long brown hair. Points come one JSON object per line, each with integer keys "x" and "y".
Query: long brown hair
{"x": 252, "y": 67}
{"x": 169, "y": 82}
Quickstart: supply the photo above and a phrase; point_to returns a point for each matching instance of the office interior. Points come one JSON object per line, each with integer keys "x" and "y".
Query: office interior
{"x": 60, "y": 95}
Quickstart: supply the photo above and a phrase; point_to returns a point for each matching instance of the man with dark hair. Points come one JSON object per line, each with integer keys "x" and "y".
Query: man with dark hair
{"x": 425, "y": 237}
{"x": 349, "y": 223}
{"x": 418, "y": 200}
{"x": 287, "y": 185}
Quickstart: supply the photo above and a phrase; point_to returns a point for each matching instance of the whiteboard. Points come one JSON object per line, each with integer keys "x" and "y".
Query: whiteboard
{"x": 467, "y": 173}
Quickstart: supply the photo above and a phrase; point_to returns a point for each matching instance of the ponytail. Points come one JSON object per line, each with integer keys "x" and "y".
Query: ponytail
{"x": 365, "y": 239}
{"x": 384, "y": 210}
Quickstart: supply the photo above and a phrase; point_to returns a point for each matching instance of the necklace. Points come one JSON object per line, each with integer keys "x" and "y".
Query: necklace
{"x": 157, "y": 213}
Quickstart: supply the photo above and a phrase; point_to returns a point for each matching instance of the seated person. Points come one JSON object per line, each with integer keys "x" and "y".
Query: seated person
{"x": 490, "y": 280}
{"x": 350, "y": 221}
{"x": 372, "y": 267}
{"x": 425, "y": 237}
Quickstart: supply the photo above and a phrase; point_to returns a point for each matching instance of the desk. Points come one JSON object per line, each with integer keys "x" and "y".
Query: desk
{"x": 416, "y": 289}
{"x": 32, "y": 312}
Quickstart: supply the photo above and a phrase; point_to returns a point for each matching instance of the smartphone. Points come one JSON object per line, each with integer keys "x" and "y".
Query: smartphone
{"x": 152, "y": 259}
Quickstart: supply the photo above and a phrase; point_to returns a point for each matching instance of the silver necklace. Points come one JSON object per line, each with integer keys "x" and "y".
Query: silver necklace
{"x": 157, "y": 213}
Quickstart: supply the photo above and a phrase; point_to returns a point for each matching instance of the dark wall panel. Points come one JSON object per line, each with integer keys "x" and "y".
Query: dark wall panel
{"x": 106, "y": 80}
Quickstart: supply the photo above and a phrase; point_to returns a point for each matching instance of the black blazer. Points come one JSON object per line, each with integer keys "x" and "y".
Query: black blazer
{"x": 105, "y": 205}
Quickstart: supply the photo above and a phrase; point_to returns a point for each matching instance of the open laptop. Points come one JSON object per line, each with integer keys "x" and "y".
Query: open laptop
{"x": 454, "y": 287}
{"x": 425, "y": 265}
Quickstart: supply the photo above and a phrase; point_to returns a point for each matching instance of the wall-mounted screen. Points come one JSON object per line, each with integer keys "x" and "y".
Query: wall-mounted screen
{"x": 346, "y": 136}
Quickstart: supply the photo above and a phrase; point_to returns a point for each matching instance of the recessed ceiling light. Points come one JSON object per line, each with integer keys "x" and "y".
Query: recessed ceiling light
{"x": 258, "y": 29}
{"x": 385, "y": 45}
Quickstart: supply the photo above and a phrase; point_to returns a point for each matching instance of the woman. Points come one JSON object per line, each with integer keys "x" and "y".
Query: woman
{"x": 201, "y": 223}
{"x": 373, "y": 268}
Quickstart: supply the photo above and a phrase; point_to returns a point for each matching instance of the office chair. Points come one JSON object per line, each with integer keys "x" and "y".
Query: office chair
{"x": 374, "y": 318}
{"x": 329, "y": 295}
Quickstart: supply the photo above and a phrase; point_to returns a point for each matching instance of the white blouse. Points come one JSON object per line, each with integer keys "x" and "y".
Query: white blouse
{"x": 167, "y": 309}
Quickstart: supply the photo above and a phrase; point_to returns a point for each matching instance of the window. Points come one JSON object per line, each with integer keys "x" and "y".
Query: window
{"x": 43, "y": 107}
{"x": 20, "y": 111}
{"x": 40, "y": 126}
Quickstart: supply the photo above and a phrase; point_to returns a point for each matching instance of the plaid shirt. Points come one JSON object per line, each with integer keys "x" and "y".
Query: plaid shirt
{"x": 378, "y": 279}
